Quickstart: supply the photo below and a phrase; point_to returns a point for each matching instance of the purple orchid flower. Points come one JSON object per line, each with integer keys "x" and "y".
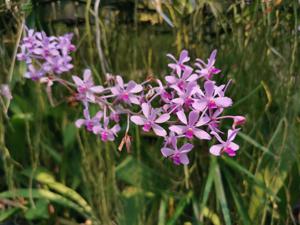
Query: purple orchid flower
{"x": 179, "y": 64}
{"x": 182, "y": 80}
{"x": 212, "y": 99}
{"x": 191, "y": 126}
{"x": 46, "y": 46}
{"x": 65, "y": 45}
{"x": 33, "y": 73}
{"x": 186, "y": 96}
{"x": 227, "y": 146}
{"x": 86, "y": 86}
{"x": 179, "y": 156}
{"x": 207, "y": 70}
{"x": 126, "y": 93}
{"x": 106, "y": 133}
{"x": 89, "y": 122}
{"x": 58, "y": 64}
{"x": 150, "y": 120}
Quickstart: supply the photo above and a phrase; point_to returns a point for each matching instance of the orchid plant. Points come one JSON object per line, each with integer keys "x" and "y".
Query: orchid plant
{"x": 187, "y": 104}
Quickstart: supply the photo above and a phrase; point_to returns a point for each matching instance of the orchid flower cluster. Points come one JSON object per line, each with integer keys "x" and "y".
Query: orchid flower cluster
{"x": 186, "y": 105}
{"x": 45, "y": 55}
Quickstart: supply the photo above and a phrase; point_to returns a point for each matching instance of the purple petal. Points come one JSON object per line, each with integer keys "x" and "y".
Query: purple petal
{"x": 171, "y": 79}
{"x": 97, "y": 129}
{"x": 216, "y": 149}
{"x": 116, "y": 128}
{"x": 184, "y": 56}
{"x": 193, "y": 117}
{"x": 201, "y": 134}
{"x": 181, "y": 116}
{"x": 146, "y": 109}
{"x": 178, "y": 129}
{"x": 233, "y": 146}
{"x": 158, "y": 130}
{"x": 134, "y": 100}
{"x": 120, "y": 81}
{"x": 203, "y": 120}
{"x": 138, "y": 120}
{"x": 186, "y": 148}
{"x": 79, "y": 122}
{"x": 138, "y": 88}
{"x": 184, "y": 159}
{"x": 223, "y": 102}
{"x": 97, "y": 89}
{"x": 200, "y": 105}
{"x": 87, "y": 75}
{"x": 77, "y": 80}
{"x": 163, "y": 118}
{"x": 209, "y": 87}
{"x": 166, "y": 152}
{"x": 171, "y": 57}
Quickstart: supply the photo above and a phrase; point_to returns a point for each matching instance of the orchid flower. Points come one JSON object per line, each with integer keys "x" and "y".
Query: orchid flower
{"x": 5, "y": 91}
{"x": 182, "y": 80}
{"x": 227, "y": 146}
{"x": 211, "y": 99}
{"x": 207, "y": 70}
{"x": 106, "y": 133}
{"x": 34, "y": 73}
{"x": 150, "y": 120}
{"x": 179, "y": 64}
{"x": 89, "y": 122}
{"x": 179, "y": 156}
{"x": 185, "y": 96}
{"x": 86, "y": 86}
{"x": 126, "y": 94}
{"x": 191, "y": 126}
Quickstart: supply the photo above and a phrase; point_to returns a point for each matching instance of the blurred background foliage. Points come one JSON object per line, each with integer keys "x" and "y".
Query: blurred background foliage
{"x": 53, "y": 173}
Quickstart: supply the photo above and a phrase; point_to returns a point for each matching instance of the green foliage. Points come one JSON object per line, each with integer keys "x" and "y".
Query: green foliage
{"x": 47, "y": 163}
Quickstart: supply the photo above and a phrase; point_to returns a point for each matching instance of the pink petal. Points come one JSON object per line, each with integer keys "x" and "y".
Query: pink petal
{"x": 163, "y": 118}
{"x": 201, "y": 134}
{"x": 216, "y": 149}
{"x": 203, "y": 120}
{"x": 97, "y": 89}
{"x": 184, "y": 159}
{"x": 178, "y": 101}
{"x": 79, "y": 122}
{"x": 209, "y": 87}
{"x": 171, "y": 79}
{"x": 184, "y": 56}
{"x": 138, "y": 88}
{"x": 134, "y": 100}
{"x": 138, "y": 120}
{"x": 97, "y": 129}
{"x": 223, "y": 102}
{"x": 233, "y": 146}
{"x": 186, "y": 148}
{"x": 87, "y": 75}
{"x": 193, "y": 77}
{"x": 146, "y": 109}
{"x": 115, "y": 91}
{"x": 177, "y": 129}
{"x": 120, "y": 81}
{"x": 98, "y": 115}
{"x": 158, "y": 130}
{"x": 116, "y": 128}
{"x": 181, "y": 116}
{"x": 77, "y": 80}
{"x": 200, "y": 105}
{"x": 166, "y": 152}
{"x": 171, "y": 57}
{"x": 193, "y": 117}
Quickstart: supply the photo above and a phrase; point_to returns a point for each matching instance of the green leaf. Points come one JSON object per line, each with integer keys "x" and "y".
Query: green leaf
{"x": 221, "y": 195}
{"x": 44, "y": 194}
{"x": 39, "y": 211}
{"x": 5, "y": 214}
